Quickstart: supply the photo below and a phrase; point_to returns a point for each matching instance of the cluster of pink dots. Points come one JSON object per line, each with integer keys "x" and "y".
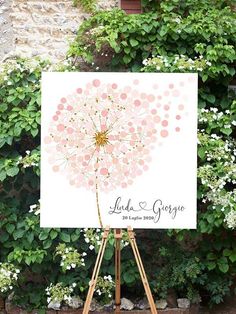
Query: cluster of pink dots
{"x": 133, "y": 121}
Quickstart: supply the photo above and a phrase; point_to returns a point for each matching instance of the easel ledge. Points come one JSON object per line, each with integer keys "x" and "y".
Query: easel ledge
{"x": 92, "y": 284}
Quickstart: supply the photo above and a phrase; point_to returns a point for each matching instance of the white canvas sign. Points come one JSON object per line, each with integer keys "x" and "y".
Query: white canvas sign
{"x": 119, "y": 149}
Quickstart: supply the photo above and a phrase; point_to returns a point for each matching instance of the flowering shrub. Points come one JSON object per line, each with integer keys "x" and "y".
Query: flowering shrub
{"x": 8, "y": 277}
{"x": 70, "y": 258}
{"x": 59, "y": 293}
{"x": 104, "y": 287}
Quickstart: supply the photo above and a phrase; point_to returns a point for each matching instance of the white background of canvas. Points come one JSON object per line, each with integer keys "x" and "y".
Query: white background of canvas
{"x": 172, "y": 173}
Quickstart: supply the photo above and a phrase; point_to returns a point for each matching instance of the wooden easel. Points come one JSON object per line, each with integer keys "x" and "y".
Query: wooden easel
{"x": 92, "y": 284}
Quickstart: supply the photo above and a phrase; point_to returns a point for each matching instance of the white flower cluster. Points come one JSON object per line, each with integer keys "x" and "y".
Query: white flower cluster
{"x": 29, "y": 160}
{"x": 59, "y": 293}
{"x": 8, "y": 276}
{"x": 213, "y": 115}
{"x": 70, "y": 258}
{"x": 178, "y": 62}
{"x": 92, "y": 237}
{"x": 35, "y": 208}
{"x": 230, "y": 219}
{"x": 104, "y": 286}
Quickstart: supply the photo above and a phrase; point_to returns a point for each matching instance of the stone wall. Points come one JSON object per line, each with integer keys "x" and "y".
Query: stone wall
{"x": 6, "y": 30}
{"x": 43, "y": 27}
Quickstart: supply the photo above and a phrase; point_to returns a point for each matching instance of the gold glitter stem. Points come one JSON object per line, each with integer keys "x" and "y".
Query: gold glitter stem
{"x": 98, "y": 207}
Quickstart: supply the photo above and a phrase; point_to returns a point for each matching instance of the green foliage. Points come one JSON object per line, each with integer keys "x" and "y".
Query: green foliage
{"x": 184, "y": 36}
{"x": 87, "y": 5}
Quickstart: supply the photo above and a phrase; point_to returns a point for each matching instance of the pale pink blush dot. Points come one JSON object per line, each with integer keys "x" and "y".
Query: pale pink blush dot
{"x": 96, "y": 82}
{"x": 139, "y": 172}
{"x": 153, "y": 111}
{"x": 159, "y": 97}
{"x": 87, "y": 157}
{"x": 164, "y": 133}
{"x": 124, "y": 185}
{"x": 60, "y": 127}
{"x": 151, "y": 98}
{"x": 91, "y": 183}
{"x": 47, "y": 140}
{"x": 144, "y": 122}
{"x": 171, "y": 86}
{"x": 177, "y": 129}
{"x": 69, "y": 108}
{"x": 132, "y": 130}
{"x": 58, "y": 112}
{"x": 155, "y": 86}
{"x": 104, "y": 113}
{"x": 79, "y": 90}
{"x": 136, "y": 82}
{"x": 137, "y": 102}
{"x": 55, "y": 118}
{"x": 109, "y": 149}
{"x": 60, "y": 107}
{"x": 166, "y": 93}
{"x": 63, "y": 100}
{"x": 166, "y": 107}
{"x": 157, "y": 119}
{"x": 103, "y": 127}
{"x": 181, "y": 83}
{"x": 114, "y": 85}
{"x": 178, "y": 117}
{"x": 175, "y": 93}
{"x": 123, "y": 96}
{"x": 55, "y": 168}
{"x": 181, "y": 107}
{"x": 143, "y": 95}
{"x": 145, "y": 168}
{"x": 70, "y": 130}
{"x": 104, "y": 95}
{"x": 104, "y": 171}
{"x": 164, "y": 123}
{"x": 127, "y": 89}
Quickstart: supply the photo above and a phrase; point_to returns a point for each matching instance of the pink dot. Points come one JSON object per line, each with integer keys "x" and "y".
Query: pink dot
{"x": 55, "y": 118}
{"x": 60, "y": 127}
{"x": 104, "y": 113}
{"x": 137, "y": 102}
{"x": 130, "y": 123}
{"x": 153, "y": 111}
{"x": 55, "y": 168}
{"x": 69, "y": 108}
{"x": 124, "y": 185}
{"x": 151, "y": 98}
{"x": 58, "y": 112}
{"x": 181, "y": 107}
{"x": 164, "y": 123}
{"x": 63, "y": 100}
{"x": 166, "y": 93}
{"x": 87, "y": 157}
{"x": 166, "y": 107}
{"x": 177, "y": 129}
{"x": 144, "y": 122}
{"x": 171, "y": 86}
{"x": 131, "y": 130}
{"x": 90, "y": 182}
{"x": 145, "y": 168}
{"x": 60, "y": 107}
{"x": 109, "y": 149}
{"x": 143, "y": 95}
{"x": 70, "y": 130}
{"x": 103, "y": 127}
{"x": 79, "y": 90}
{"x": 104, "y": 95}
{"x": 175, "y": 93}
{"x": 136, "y": 82}
{"x": 123, "y": 96}
{"x": 104, "y": 171}
{"x": 96, "y": 83}
{"x": 178, "y": 117}
{"x": 157, "y": 119}
{"x": 114, "y": 85}
{"x": 47, "y": 140}
{"x": 164, "y": 133}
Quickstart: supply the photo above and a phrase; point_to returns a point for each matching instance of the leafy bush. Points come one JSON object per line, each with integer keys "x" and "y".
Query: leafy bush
{"x": 184, "y": 36}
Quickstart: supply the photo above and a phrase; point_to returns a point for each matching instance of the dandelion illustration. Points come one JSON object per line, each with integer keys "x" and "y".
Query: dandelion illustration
{"x": 102, "y": 135}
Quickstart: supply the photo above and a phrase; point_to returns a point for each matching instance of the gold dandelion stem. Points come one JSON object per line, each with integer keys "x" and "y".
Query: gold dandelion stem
{"x": 98, "y": 207}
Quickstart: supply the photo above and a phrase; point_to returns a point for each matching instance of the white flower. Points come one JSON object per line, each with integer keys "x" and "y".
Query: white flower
{"x": 91, "y": 247}
{"x": 73, "y": 265}
{"x": 49, "y": 300}
{"x": 84, "y": 254}
{"x": 68, "y": 267}
{"x": 74, "y": 284}
{"x": 86, "y": 240}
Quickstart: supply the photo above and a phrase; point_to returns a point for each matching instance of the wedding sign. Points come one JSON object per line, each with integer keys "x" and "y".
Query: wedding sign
{"x": 119, "y": 149}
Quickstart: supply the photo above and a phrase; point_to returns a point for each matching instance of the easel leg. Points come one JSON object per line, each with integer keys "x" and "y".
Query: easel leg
{"x": 141, "y": 270}
{"x": 118, "y": 236}
{"x": 96, "y": 270}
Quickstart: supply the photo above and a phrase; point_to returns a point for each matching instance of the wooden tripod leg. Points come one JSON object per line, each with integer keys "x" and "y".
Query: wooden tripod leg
{"x": 118, "y": 236}
{"x": 141, "y": 270}
{"x": 96, "y": 270}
